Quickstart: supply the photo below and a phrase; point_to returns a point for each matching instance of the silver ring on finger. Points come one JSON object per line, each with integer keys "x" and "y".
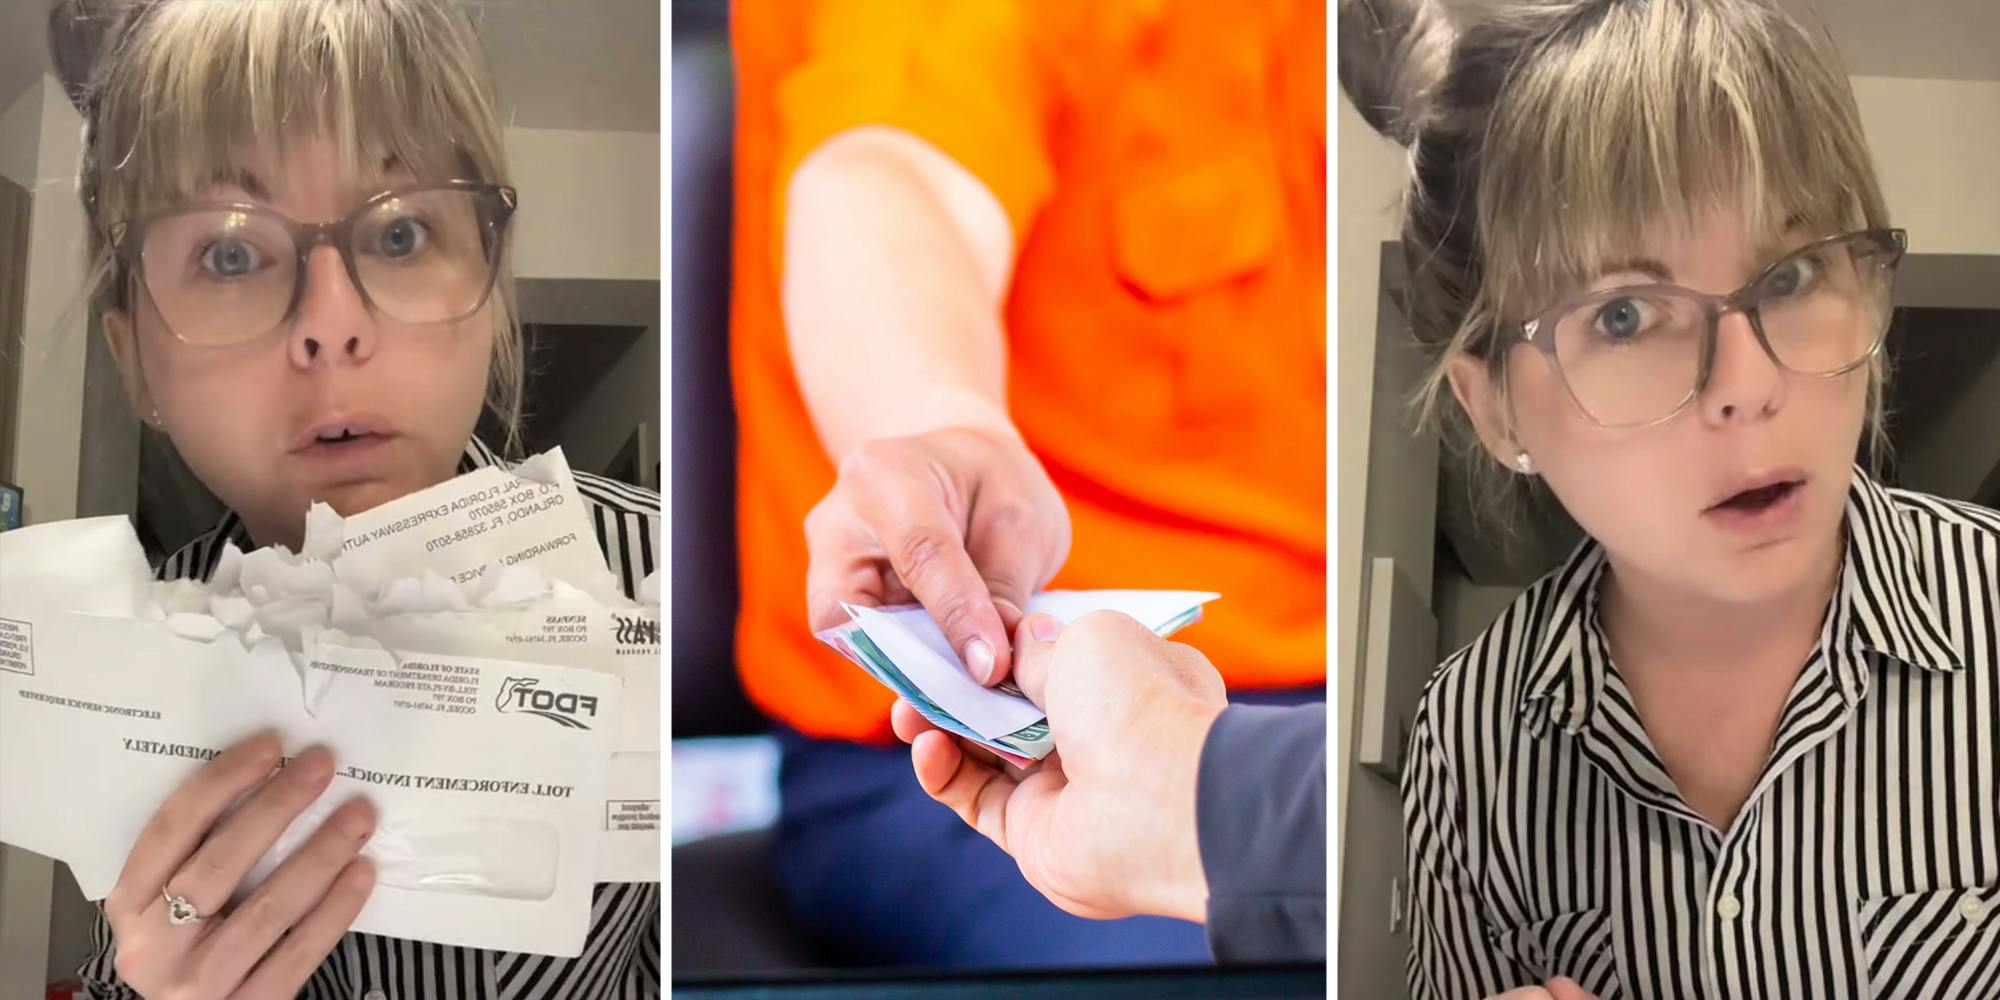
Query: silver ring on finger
{"x": 180, "y": 912}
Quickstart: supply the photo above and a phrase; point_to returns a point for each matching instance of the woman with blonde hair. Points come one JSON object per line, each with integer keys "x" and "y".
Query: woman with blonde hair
{"x": 298, "y": 214}
{"x": 1741, "y": 743}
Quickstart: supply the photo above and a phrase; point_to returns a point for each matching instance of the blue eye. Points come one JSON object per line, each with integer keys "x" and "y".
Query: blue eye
{"x": 1792, "y": 277}
{"x": 403, "y": 238}
{"x": 1621, "y": 319}
{"x": 230, "y": 259}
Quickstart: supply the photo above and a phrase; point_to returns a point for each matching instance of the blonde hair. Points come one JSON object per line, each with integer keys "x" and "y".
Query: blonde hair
{"x": 172, "y": 91}
{"x": 1547, "y": 136}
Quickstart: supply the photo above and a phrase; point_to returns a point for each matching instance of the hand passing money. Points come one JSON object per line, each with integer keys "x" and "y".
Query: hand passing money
{"x": 904, "y": 650}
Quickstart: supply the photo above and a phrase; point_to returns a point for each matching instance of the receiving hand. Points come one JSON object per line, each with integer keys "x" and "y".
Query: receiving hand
{"x": 1106, "y": 826}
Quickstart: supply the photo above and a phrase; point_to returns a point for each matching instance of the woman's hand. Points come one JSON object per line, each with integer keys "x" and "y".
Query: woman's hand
{"x": 1106, "y": 826}
{"x": 268, "y": 945}
{"x": 962, "y": 520}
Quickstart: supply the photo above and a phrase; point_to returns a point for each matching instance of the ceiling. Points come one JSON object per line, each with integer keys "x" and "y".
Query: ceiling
{"x": 578, "y": 64}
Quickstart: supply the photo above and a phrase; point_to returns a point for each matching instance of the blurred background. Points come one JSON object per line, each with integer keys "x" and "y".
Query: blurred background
{"x": 579, "y": 84}
{"x": 727, "y": 917}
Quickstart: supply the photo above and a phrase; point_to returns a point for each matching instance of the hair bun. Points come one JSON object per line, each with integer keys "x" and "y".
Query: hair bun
{"x": 1392, "y": 53}
{"x": 79, "y": 31}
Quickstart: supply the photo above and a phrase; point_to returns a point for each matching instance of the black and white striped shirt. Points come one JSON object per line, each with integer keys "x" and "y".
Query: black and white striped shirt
{"x": 1546, "y": 837}
{"x": 621, "y": 954}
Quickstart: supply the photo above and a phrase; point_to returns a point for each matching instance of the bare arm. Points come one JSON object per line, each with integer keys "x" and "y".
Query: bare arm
{"x": 896, "y": 262}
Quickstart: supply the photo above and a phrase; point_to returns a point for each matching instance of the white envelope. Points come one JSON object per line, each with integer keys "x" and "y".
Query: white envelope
{"x": 571, "y": 629}
{"x": 452, "y": 696}
{"x": 531, "y": 516}
{"x": 488, "y": 776}
{"x": 492, "y": 520}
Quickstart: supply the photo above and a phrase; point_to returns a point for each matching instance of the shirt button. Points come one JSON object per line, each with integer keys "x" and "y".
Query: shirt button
{"x": 1728, "y": 907}
{"x": 1972, "y": 909}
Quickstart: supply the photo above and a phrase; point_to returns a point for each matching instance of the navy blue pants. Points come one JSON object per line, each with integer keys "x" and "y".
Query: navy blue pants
{"x": 883, "y": 875}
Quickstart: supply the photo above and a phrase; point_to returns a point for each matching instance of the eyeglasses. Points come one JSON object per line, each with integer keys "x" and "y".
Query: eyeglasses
{"x": 1637, "y": 356}
{"x": 221, "y": 274}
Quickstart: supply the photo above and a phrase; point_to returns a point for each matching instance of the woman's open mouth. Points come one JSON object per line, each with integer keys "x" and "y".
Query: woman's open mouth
{"x": 1761, "y": 497}
{"x": 342, "y": 436}
{"x": 1769, "y": 504}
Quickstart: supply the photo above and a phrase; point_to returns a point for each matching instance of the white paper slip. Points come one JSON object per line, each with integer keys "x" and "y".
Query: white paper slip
{"x": 629, "y": 849}
{"x": 1158, "y": 610}
{"x": 489, "y": 517}
{"x": 913, "y": 641}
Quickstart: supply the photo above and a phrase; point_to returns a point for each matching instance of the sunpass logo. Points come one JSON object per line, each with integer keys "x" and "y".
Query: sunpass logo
{"x": 636, "y": 631}
{"x": 522, "y": 694}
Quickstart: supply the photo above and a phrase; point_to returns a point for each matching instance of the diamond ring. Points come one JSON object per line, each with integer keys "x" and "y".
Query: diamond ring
{"x": 180, "y": 912}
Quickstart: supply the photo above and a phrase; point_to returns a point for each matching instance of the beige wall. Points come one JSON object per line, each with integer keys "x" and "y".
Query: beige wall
{"x": 1937, "y": 149}
{"x": 50, "y": 407}
{"x": 590, "y": 203}
{"x": 1370, "y": 175}
{"x": 20, "y": 135}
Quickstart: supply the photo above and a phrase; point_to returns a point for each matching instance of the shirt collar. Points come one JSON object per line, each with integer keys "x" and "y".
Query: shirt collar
{"x": 1882, "y": 604}
{"x": 1569, "y": 652}
{"x": 1886, "y": 603}
{"x": 477, "y": 456}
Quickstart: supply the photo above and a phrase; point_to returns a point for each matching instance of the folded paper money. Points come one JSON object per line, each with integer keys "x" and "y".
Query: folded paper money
{"x": 904, "y": 649}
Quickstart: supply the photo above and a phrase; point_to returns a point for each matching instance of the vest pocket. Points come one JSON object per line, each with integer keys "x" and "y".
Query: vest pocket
{"x": 1182, "y": 232}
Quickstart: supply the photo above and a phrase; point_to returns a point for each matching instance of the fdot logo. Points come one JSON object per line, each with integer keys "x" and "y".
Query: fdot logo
{"x": 522, "y": 694}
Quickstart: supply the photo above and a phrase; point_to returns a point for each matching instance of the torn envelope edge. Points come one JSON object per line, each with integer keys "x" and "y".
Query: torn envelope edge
{"x": 472, "y": 522}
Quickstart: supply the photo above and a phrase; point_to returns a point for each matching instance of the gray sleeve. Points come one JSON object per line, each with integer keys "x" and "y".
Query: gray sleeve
{"x": 1260, "y": 814}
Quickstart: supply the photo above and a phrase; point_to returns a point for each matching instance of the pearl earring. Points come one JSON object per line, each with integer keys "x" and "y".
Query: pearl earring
{"x": 1524, "y": 464}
